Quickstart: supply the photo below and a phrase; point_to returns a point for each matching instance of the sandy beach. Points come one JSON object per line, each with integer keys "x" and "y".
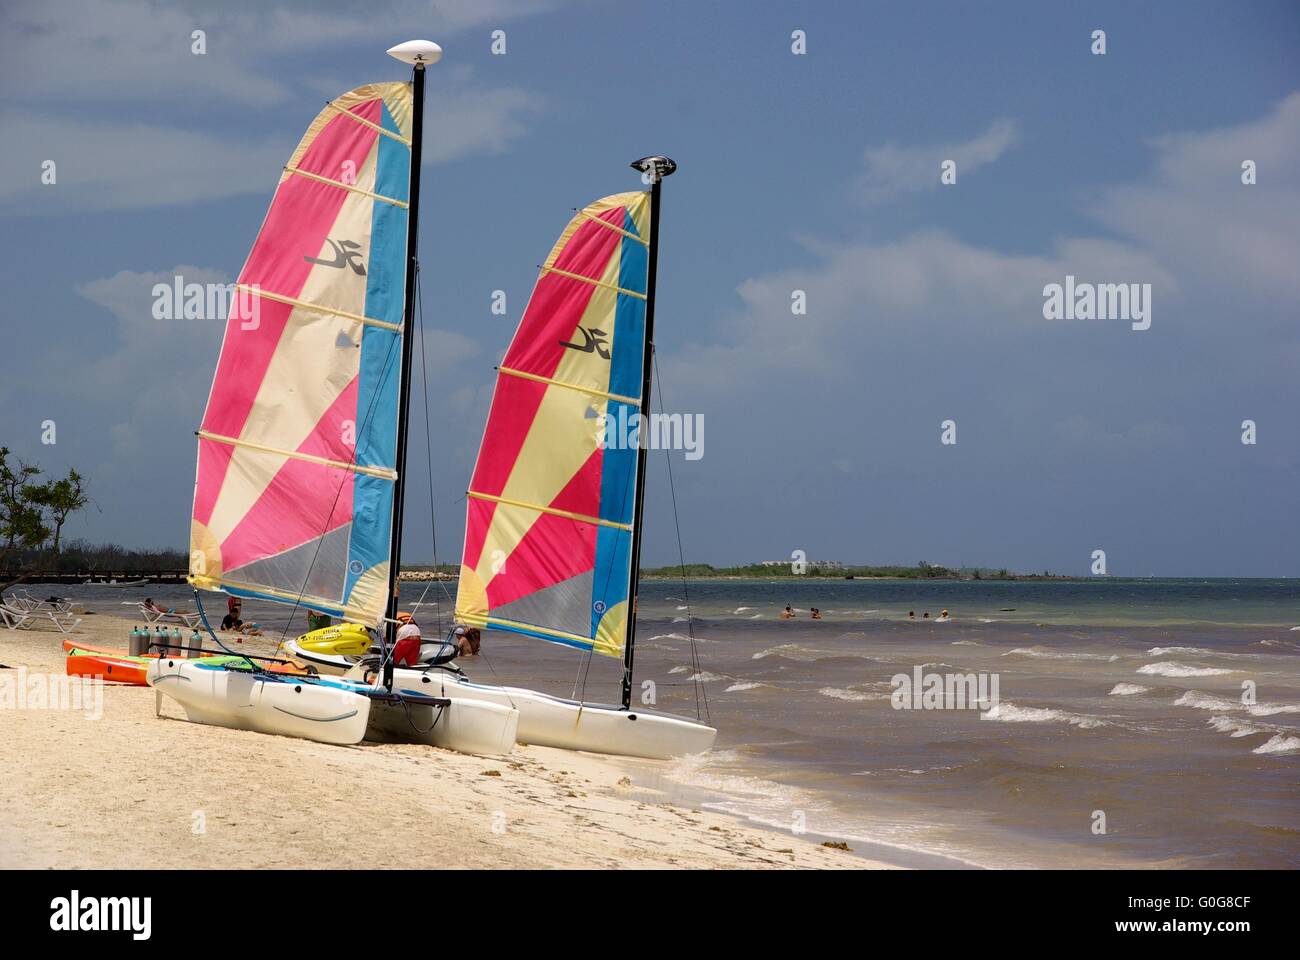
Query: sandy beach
{"x": 128, "y": 789}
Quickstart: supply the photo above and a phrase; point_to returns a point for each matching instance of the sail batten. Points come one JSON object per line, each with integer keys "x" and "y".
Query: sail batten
{"x": 551, "y": 503}
{"x": 570, "y": 386}
{"x": 316, "y": 308}
{"x": 295, "y": 481}
{"x": 593, "y": 280}
{"x": 346, "y": 186}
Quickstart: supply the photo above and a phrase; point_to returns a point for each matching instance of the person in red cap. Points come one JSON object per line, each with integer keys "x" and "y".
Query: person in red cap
{"x": 406, "y": 651}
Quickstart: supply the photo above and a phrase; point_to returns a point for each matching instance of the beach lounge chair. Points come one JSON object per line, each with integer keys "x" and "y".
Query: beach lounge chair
{"x": 19, "y": 601}
{"x": 16, "y": 618}
{"x": 65, "y": 622}
{"x": 190, "y": 620}
{"x": 25, "y": 600}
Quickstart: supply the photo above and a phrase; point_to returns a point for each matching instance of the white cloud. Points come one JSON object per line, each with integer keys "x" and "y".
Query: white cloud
{"x": 120, "y": 165}
{"x": 122, "y": 51}
{"x": 153, "y": 383}
{"x": 893, "y": 170}
{"x": 115, "y": 165}
{"x": 464, "y": 122}
{"x": 1196, "y": 215}
{"x": 102, "y": 86}
{"x": 930, "y": 285}
{"x": 1189, "y": 228}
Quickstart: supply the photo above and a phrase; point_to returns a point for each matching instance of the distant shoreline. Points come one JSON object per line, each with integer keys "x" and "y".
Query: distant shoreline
{"x": 799, "y": 578}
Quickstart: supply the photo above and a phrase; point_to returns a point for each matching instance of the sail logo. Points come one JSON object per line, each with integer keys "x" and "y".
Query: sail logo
{"x": 75, "y": 913}
{"x": 179, "y": 300}
{"x": 943, "y": 691}
{"x": 623, "y": 430}
{"x": 20, "y": 690}
{"x": 594, "y": 342}
{"x": 347, "y": 253}
{"x": 1098, "y": 301}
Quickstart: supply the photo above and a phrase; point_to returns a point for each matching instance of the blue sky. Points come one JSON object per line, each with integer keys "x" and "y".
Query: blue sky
{"x": 816, "y": 172}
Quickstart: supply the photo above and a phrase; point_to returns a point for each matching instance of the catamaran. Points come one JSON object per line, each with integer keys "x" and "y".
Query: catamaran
{"x": 302, "y": 451}
{"x": 553, "y": 527}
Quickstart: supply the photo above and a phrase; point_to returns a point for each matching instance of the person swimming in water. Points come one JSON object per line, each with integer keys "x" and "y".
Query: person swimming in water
{"x": 816, "y": 613}
{"x": 788, "y": 613}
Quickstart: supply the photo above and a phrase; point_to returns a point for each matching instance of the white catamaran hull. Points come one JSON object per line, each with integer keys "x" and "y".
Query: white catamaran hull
{"x": 466, "y": 726}
{"x": 556, "y": 722}
{"x": 291, "y": 707}
{"x": 545, "y": 720}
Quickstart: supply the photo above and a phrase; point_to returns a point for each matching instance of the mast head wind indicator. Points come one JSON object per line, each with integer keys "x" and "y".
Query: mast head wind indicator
{"x": 416, "y": 52}
{"x": 656, "y": 168}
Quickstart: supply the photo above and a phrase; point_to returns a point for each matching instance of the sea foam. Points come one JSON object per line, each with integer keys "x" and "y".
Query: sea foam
{"x": 1171, "y": 668}
{"x": 1045, "y": 654}
{"x": 1128, "y": 689}
{"x": 1208, "y": 701}
{"x": 855, "y": 695}
{"x": 1010, "y": 713}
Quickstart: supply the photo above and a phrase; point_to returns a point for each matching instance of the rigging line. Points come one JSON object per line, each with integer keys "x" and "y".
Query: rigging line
{"x": 203, "y": 618}
{"x": 428, "y": 443}
{"x": 681, "y": 558}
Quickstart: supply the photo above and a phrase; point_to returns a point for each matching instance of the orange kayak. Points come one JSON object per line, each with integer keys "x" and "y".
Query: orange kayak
{"x": 86, "y": 660}
{"x": 130, "y": 670}
{"x": 70, "y": 645}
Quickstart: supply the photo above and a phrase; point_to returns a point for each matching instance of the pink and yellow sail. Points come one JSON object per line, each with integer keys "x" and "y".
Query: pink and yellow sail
{"x": 293, "y": 499}
{"x": 548, "y": 535}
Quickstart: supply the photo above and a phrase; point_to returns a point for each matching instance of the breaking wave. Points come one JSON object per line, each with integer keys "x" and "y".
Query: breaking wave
{"x": 1128, "y": 689}
{"x": 1010, "y": 713}
{"x": 1058, "y": 654}
{"x": 1208, "y": 701}
{"x": 1171, "y": 668}
{"x": 855, "y": 695}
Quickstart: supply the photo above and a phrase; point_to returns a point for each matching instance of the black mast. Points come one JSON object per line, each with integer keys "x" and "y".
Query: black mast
{"x": 408, "y": 330}
{"x": 656, "y": 168}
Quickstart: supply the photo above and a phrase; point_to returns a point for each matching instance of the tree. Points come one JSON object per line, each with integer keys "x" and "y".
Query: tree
{"x": 62, "y": 498}
{"x": 22, "y": 522}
